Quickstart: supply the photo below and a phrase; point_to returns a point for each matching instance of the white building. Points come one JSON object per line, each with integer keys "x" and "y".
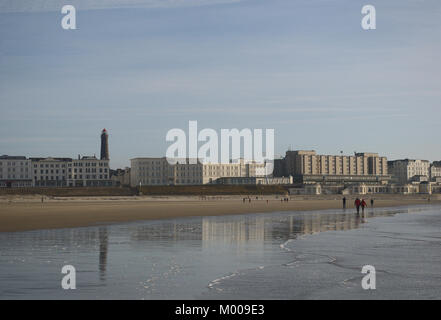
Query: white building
{"x": 62, "y": 172}
{"x": 15, "y": 171}
{"x": 240, "y": 168}
{"x": 49, "y": 172}
{"x": 157, "y": 171}
{"x": 255, "y": 180}
{"x": 308, "y": 189}
{"x": 88, "y": 171}
{"x": 57, "y": 172}
{"x": 435, "y": 170}
{"x": 150, "y": 171}
{"x": 403, "y": 171}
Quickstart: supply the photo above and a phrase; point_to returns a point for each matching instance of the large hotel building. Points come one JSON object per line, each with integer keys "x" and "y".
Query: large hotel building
{"x": 306, "y": 166}
{"x": 158, "y": 171}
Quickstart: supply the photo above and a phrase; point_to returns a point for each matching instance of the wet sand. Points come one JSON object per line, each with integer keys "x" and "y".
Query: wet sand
{"x": 277, "y": 255}
{"x": 33, "y": 215}
{"x": 404, "y": 249}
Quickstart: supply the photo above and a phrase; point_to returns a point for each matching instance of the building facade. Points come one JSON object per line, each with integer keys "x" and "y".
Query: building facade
{"x": 150, "y": 171}
{"x": 158, "y": 171}
{"x": 403, "y": 171}
{"x": 255, "y": 180}
{"x": 120, "y": 177}
{"x": 87, "y": 171}
{"x": 306, "y": 166}
{"x": 240, "y": 168}
{"x": 50, "y": 172}
{"x": 15, "y": 171}
{"x": 435, "y": 170}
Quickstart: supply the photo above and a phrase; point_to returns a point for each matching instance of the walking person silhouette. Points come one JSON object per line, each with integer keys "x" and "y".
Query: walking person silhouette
{"x": 357, "y": 203}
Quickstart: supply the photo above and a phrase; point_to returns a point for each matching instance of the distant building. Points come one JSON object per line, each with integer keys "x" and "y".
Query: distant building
{"x": 311, "y": 189}
{"x": 363, "y": 189}
{"x": 425, "y": 187}
{"x": 158, "y": 171}
{"x": 255, "y": 180}
{"x": 307, "y": 167}
{"x": 240, "y": 168}
{"x": 403, "y": 171}
{"x": 435, "y": 170}
{"x": 57, "y": 172}
{"x": 120, "y": 177}
{"x": 50, "y": 172}
{"x": 152, "y": 171}
{"x": 15, "y": 171}
{"x": 279, "y": 168}
{"x": 88, "y": 171}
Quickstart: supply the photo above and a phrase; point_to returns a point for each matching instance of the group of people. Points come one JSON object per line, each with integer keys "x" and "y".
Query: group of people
{"x": 285, "y": 199}
{"x": 359, "y": 203}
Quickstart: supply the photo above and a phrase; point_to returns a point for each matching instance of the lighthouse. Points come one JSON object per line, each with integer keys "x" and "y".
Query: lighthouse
{"x": 104, "y": 145}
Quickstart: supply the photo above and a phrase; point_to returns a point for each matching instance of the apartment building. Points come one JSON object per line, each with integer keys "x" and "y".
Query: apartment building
{"x": 15, "y": 171}
{"x": 239, "y": 168}
{"x": 87, "y": 171}
{"x": 308, "y": 167}
{"x": 404, "y": 171}
{"x": 150, "y": 171}
{"x": 435, "y": 170}
{"x": 158, "y": 171}
{"x": 50, "y": 172}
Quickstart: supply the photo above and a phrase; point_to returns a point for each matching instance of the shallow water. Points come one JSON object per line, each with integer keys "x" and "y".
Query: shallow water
{"x": 230, "y": 257}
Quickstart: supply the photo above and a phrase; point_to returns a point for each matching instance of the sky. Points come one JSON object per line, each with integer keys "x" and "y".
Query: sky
{"x": 139, "y": 68}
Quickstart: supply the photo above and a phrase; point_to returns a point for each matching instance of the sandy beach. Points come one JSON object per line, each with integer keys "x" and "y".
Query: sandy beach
{"x": 276, "y": 255}
{"x": 30, "y": 214}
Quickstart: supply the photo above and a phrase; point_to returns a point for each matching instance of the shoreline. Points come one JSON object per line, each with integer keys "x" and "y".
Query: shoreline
{"x": 31, "y": 214}
{"x": 327, "y": 263}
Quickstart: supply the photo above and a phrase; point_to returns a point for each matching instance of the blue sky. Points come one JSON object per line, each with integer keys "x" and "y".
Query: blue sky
{"x": 139, "y": 68}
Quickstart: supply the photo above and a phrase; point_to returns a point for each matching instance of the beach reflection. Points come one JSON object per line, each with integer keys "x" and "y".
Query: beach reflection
{"x": 156, "y": 259}
{"x": 103, "y": 252}
{"x": 261, "y": 228}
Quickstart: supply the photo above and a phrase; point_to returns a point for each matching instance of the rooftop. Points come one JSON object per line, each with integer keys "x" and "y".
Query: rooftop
{"x": 12, "y": 157}
{"x": 50, "y": 159}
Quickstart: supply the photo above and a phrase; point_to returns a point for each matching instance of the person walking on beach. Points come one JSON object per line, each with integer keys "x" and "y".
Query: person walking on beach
{"x": 344, "y": 202}
{"x": 363, "y": 205}
{"x": 357, "y": 203}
